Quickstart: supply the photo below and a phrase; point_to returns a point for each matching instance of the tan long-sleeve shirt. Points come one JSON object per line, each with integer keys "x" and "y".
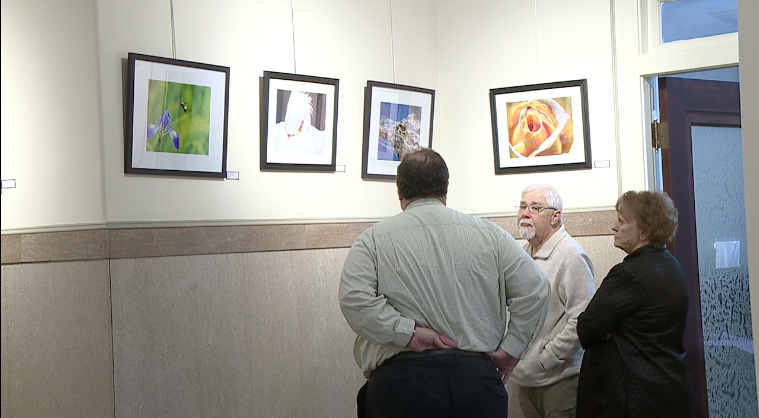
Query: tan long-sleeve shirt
{"x": 430, "y": 265}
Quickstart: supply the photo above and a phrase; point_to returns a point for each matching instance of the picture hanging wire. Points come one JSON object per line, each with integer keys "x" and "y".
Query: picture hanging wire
{"x": 173, "y": 33}
{"x": 292, "y": 20}
{"x": 392, "y": 39}
{"x": 537, "y": 73}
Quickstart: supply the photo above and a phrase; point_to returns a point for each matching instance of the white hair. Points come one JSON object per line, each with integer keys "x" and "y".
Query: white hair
{"x": 298, "y": 113}
{"x": 550, "y": 193}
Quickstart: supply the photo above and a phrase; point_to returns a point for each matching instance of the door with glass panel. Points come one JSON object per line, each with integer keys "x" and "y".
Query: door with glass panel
{"x": 702, "y": 170}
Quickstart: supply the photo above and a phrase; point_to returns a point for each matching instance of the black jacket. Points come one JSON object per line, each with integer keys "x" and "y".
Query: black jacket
{"x": 640, "y": 371}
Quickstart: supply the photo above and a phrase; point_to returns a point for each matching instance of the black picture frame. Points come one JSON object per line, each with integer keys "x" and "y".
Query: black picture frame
{"x": 176, "y": 117}
{"x": 396, "y": 118}
{"x": 298, "y": 134}
{"x": 541, "y": 127}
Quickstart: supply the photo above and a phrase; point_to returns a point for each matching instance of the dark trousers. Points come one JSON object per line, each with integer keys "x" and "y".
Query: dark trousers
{"x": 435, "y": 386}
{"x": 361, "y": 401}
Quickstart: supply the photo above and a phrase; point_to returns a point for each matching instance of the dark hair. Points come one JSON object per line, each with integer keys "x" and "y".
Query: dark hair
{"x": 422, "y": 173}
{"x": 654, "y": 212}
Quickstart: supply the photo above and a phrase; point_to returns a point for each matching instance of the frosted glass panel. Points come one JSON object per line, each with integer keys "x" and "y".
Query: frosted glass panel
{"x": 690, "y": 19}
{"x": 725, "y": 303}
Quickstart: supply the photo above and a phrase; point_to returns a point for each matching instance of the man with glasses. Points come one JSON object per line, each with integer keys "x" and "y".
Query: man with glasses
{"x": 547, "y": 377}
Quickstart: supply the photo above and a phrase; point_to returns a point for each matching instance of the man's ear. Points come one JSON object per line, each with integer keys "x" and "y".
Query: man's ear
{"x": 398, "y": 186}
{"x": 555, "y": 218}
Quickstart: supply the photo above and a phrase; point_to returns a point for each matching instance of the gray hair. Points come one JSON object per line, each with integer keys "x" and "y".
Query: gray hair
{"x": 551, "y": 194}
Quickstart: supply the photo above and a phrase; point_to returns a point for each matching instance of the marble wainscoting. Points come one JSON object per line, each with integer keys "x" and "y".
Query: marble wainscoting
{"x": 190, "y": 322}
{"x": 57, "y": 354}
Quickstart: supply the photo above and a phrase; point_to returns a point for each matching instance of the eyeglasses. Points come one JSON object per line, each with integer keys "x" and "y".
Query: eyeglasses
{"x": 534, "y": 209}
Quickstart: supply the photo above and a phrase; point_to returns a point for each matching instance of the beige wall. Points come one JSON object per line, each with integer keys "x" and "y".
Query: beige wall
{"x": 56, "y": 340}
{"x": 151, "y": 323}
{"x": 233, "y": 335}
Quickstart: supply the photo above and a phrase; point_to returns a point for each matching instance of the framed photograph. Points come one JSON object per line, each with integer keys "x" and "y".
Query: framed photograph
{"x": 175, "y": 117}
{"x": 397, "y": 120}
{"x": 541, "y": 127}
{"x": 298, "y": 122}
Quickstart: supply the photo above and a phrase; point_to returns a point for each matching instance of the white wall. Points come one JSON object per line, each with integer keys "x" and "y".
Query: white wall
{"x": 485, "y": 45}
{"x": 482, "y": 46}
{"x": 340, "y": 39}
{"x": 50, "y": 114}
{"x": 60, "y": 185}
{"x": 460, "y": 51}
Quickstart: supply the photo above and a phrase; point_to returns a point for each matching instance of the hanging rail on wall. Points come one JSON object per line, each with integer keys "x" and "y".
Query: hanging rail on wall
{"x": 173, "y": 33}
{"x": 392, "y": 40}
{"x": 292, "y": 20}
{"x": 537, "y": 63}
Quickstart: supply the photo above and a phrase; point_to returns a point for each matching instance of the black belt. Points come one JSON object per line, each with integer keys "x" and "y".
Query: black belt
{"x": 452, "y": 352}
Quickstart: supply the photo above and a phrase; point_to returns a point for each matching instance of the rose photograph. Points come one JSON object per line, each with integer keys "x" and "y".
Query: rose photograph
{"x": 541, "y": 127}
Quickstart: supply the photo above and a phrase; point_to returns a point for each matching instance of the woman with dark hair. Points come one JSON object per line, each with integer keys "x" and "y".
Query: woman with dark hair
{"x": 632, "y": 330}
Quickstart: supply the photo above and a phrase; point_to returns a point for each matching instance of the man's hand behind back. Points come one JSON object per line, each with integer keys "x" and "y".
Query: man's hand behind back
{"x": 428, "y": 339}
{"x": 504, "y": 362}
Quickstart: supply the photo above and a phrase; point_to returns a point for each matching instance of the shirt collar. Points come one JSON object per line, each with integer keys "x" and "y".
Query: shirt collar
{"x": 548, "y": 246}
{"x": 424, "y": 201}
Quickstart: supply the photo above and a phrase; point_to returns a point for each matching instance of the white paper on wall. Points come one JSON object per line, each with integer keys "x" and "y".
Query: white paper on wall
{"x": 728, "y": 254}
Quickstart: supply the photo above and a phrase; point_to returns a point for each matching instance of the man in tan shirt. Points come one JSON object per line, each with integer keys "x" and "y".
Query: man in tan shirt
{"x": 547, "y": 377}
{"x": 427, "y": 292}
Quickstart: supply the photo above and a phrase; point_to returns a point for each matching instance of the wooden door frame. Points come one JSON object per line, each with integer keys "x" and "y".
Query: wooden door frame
{"x": 684, "y": 103}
